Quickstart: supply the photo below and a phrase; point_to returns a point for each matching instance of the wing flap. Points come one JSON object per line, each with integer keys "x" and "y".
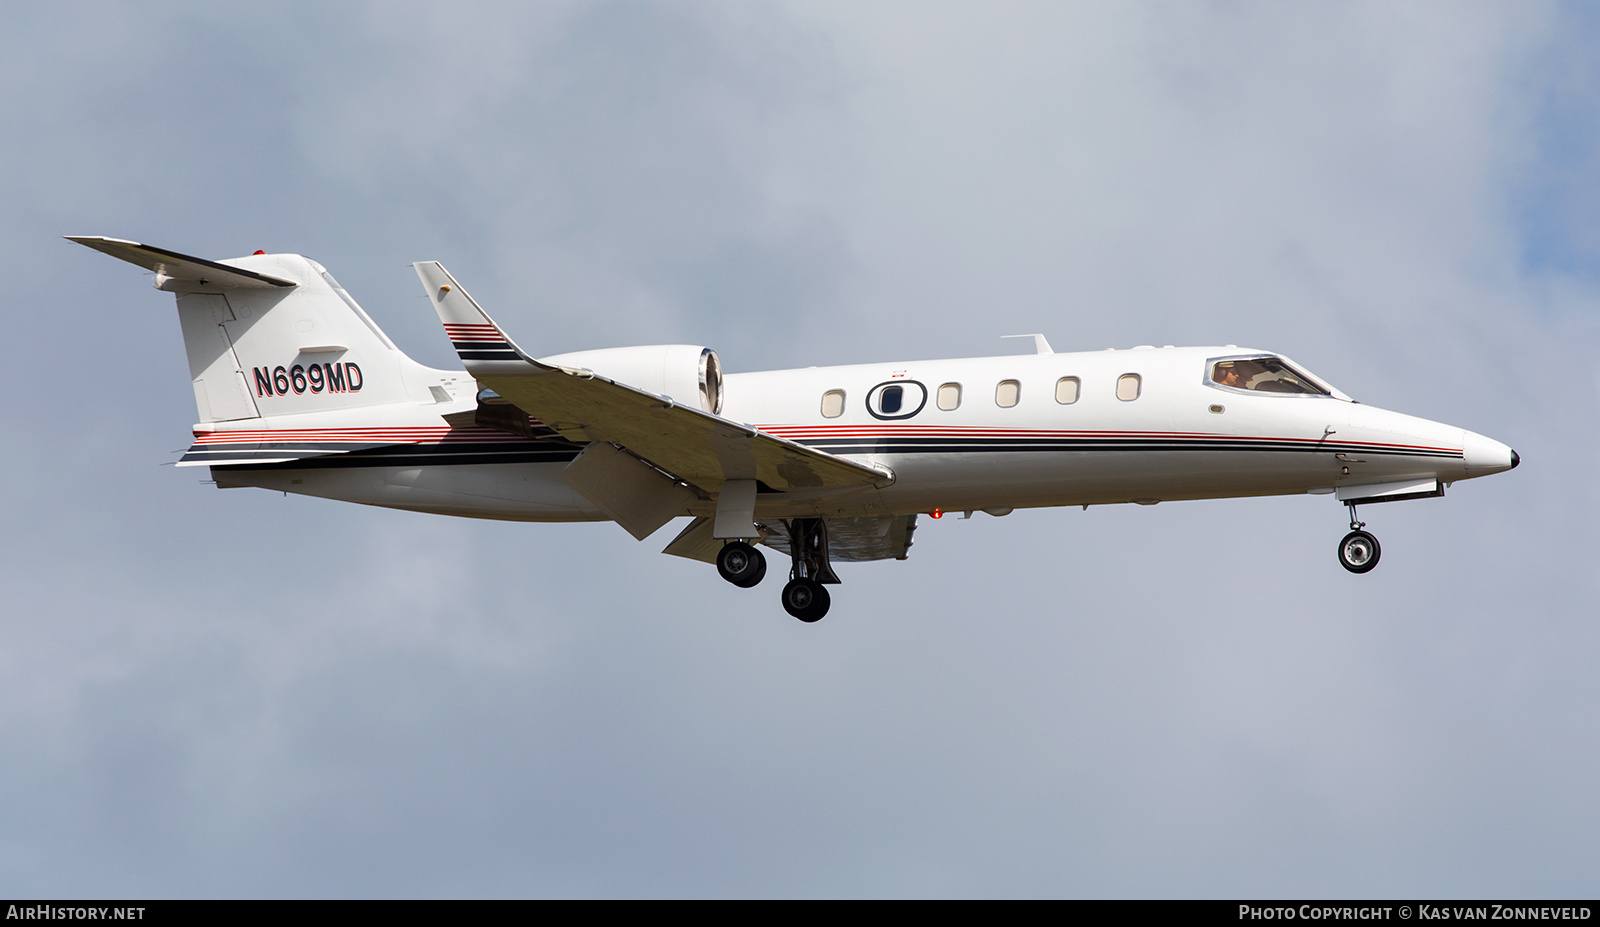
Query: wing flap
{"x": 695, "y": 542}
{"x": 635, "y": 495}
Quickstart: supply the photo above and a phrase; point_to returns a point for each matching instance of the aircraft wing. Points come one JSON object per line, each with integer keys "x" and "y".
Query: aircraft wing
{"x": 688, "y": 443}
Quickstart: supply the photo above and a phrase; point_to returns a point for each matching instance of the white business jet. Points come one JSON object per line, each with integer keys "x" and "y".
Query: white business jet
{"x": 299, "y": 391}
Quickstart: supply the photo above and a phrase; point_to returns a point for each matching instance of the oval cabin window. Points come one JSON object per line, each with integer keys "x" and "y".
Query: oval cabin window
{"x": 833, "y": 403}
{"x": 950, "y": 396}
{"x": 1128, "y": 387}
{"x": 1067, "y": 390}
{"x": 897, "y": 399}
{"x": 1007, "y": 393}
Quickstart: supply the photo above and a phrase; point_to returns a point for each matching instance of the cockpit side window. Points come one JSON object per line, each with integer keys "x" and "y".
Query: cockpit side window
{"x": 1263, "y": 375}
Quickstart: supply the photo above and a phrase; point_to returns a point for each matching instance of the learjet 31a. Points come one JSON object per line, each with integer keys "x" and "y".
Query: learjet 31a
{"x": 298, "y": 390}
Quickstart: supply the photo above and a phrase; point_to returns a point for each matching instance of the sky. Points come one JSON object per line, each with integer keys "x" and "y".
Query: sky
{"x": 211, "y": 693}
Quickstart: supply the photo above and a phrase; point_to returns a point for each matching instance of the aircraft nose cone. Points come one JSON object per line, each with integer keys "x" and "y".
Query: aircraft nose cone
{"x": 1486, "y": 455}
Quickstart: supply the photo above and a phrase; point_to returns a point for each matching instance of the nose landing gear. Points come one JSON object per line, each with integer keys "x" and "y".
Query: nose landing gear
{"x": 1359, "y": 551}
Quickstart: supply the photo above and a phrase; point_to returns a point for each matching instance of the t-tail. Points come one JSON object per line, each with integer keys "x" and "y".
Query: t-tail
{"x": 275, "y": 337}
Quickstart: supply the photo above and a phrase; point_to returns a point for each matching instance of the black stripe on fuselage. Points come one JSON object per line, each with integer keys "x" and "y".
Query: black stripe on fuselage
{"x": 940, "y": 445}
{"x": 277, "y": 449}
{"x": 432, "y": 455}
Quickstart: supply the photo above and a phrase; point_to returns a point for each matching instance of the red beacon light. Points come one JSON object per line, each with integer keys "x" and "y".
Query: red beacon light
{"x": 936, "y": 513}
{"x": 257, "y": 252}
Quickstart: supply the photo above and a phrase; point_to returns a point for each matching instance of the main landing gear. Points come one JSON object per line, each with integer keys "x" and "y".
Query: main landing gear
{"x": 1359, "y": 551}
{"x": 806, "y": 599}
{"x": 741, "y": 564}
{"x": 804, "y": 596}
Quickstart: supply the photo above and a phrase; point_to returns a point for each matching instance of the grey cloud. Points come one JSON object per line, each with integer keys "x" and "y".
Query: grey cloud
{"x": 235, "y": 693}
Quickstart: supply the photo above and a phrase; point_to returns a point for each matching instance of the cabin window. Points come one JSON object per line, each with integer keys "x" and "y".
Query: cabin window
{"x": 896, "y": 399}
{"x": 1262, "y": 374}
{"x": 949, "y": 396}
{"x": 1128, "y": 387}
{"x": 1067, "y": 390}
{"x": 1007, "y": 393}
{"x": 833, "y": 403}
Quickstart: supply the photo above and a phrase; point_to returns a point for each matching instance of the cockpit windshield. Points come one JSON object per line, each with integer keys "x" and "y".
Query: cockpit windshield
{"x": 1263, "y": 374}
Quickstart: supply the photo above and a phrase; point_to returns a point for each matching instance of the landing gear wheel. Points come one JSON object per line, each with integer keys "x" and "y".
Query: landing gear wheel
{"x": 761, "y": 571}
{"x": 1359, "y": 552}
{"x": 741, "y": 564}
{"x": 805, "y": 599}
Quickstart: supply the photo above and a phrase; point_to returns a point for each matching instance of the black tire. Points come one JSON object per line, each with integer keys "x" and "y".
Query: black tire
{"x": 761, "y": 571}
{"x": 1359, "y": 552}
{"x": 806, "y": 599}
{"x": 741, "y": 564}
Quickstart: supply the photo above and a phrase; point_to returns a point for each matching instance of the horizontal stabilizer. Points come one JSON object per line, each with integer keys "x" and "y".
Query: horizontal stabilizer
{"x": 175, "y": 266}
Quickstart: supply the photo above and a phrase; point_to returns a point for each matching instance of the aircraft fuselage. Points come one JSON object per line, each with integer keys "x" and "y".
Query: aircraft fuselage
{"x": 1180, "y": 436}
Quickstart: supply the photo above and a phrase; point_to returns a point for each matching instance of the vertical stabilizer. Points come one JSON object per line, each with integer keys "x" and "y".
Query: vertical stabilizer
{"x": 221, "y": 391}
{"x": 273, "y": 334}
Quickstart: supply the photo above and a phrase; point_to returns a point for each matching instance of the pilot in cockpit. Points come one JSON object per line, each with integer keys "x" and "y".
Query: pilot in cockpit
{"x": 1227, "y": 374}
{"x": 1262, "y": 374}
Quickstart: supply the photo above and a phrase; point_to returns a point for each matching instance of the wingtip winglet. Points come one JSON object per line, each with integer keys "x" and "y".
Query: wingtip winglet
{"x": 472, "y": 333}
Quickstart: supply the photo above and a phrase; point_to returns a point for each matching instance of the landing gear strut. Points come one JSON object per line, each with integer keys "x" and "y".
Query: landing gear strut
{"x": 741, "y": 564}
{"x": 804, "y": 597}
{"x": 1359, "y": 551}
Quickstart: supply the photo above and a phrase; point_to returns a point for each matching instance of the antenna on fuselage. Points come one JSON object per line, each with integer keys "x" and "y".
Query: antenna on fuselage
{"x": 1040, "y": 346}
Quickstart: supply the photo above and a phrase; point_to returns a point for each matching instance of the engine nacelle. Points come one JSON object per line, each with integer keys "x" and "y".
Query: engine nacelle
{"x": 689, "y": 374}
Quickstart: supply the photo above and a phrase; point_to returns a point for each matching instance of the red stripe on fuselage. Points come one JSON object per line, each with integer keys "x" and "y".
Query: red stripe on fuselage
{"x": 802, "y": 432}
